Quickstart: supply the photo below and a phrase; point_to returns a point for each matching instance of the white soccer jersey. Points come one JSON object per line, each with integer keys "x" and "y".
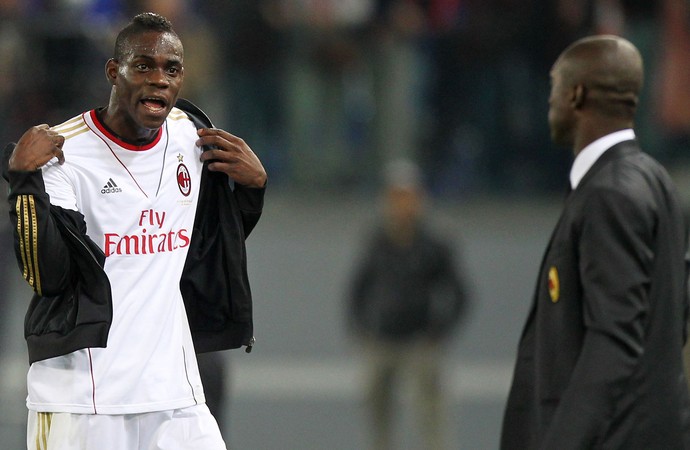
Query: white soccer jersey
{"x": 139, "y": 205}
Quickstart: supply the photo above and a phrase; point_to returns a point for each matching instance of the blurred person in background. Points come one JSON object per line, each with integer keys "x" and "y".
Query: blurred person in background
{"x": 398, "y": 64}
{"x": 599, "y": 362}
{"x": 64, "y": 80}
{"x": 481, "y": 96}
{"x": 407, "y": 295}
{"x": 130, "y": 223}
{"x": 14, "y": 51}
{"x": 674, "y": 77}
{"x": 325, "y": 90}
{"x": 251, "y": 40}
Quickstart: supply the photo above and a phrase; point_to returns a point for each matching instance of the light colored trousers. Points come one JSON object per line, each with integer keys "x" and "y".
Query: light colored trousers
{"x": 390, "y": 367}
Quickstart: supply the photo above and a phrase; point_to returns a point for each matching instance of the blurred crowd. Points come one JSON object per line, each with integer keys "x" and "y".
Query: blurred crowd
{"x": 328, "y": 91}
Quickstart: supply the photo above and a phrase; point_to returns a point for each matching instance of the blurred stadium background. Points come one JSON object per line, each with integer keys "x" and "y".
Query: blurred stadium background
{"x": 326, "y": 92}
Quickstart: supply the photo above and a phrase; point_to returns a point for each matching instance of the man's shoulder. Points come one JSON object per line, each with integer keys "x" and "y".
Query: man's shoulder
{"x": 627, "y": 167}
{"x": 193, "y": 112}
{"x": 176, "y": 114}
{"x": 180, "y": 127}
{"x": 73, "y": 127}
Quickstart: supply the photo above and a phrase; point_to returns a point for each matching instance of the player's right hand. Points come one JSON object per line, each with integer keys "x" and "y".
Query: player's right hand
{"x": 36, "y": 147}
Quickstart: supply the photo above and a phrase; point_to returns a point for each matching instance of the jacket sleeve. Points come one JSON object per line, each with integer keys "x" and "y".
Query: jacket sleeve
{"x": 250, "y": 202}
{"x": 616, "y": 248}
{"x": 40, "y": 250}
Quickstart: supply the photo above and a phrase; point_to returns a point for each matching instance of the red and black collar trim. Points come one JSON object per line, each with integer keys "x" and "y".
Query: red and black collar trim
{"x": 119, "y": 141}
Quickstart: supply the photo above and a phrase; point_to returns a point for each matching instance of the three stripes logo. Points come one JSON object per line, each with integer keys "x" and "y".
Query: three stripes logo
{"x": 110, "y": 187}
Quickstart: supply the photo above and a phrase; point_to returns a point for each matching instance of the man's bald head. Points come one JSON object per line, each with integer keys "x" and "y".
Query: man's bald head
{"x": 610, "y": 70}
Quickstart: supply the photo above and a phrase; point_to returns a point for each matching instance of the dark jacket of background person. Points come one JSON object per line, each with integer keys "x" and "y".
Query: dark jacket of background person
{"x": 403, "y": 292}
{"x": 596, "y": 366}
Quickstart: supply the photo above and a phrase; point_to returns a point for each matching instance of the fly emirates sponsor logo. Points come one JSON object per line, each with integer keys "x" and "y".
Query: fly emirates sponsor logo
{"x": 153, "y": 238}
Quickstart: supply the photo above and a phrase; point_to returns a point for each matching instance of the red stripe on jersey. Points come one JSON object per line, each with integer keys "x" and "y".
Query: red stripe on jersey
{"x": 120, "y": 142}
{"x": 93, "y": 382}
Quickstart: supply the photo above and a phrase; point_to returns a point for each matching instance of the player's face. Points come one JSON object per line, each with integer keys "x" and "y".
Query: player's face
{"x": 560, "y": 110}
{"x": 147, "y": 82}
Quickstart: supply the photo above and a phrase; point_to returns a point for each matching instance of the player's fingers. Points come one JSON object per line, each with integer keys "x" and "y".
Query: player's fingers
{"x": 224, "y": 167}
{"x": 218, "y": 155}
{"x": 60, "y": 155}
{"x": 210, "y": 133}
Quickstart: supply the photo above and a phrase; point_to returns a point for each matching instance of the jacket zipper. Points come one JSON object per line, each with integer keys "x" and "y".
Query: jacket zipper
{"x": 250, "y": 345}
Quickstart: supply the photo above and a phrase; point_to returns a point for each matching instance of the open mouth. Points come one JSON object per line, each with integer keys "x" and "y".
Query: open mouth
{"x": 155, "y": 105}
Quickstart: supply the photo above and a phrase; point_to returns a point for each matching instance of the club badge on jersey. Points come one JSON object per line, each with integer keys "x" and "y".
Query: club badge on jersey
{"x": 184, "y": 180}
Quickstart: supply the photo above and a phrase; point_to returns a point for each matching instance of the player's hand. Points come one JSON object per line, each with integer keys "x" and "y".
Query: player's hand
{"x": 232, "y": 156}
{"x": 36, "y": 147}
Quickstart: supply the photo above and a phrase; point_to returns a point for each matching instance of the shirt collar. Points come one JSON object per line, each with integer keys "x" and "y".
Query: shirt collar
{"x": 591, "y": 153}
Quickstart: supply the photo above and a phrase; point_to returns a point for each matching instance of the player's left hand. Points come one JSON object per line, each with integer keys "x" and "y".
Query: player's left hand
{"x": 232, "y": 156}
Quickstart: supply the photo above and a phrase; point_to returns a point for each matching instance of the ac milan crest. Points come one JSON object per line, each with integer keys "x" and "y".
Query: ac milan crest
{"x": 184, "y": 181}
{"x": 554, "y": 284}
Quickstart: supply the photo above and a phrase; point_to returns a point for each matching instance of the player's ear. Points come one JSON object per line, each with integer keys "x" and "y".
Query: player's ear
{"x": 111, "y": 70}
{"x": 579, "y": 93}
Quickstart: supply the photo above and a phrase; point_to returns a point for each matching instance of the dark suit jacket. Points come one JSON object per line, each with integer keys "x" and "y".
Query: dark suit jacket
{"x": 599, "y": 361}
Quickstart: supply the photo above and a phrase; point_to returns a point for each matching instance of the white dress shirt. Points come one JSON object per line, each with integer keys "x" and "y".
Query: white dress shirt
{"x": 591, "y": 153}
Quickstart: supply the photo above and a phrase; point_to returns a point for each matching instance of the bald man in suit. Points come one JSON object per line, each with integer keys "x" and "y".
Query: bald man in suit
{"x": 599, "y": 363}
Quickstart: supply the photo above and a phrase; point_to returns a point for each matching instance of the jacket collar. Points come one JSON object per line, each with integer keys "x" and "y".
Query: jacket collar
{"x": 617, "y": 151}
{"x": 591, "y": 153}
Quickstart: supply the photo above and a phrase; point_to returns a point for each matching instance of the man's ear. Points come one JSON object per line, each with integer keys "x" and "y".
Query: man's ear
{"x": 579, "y": 94}
{"x": 111, "y": 68}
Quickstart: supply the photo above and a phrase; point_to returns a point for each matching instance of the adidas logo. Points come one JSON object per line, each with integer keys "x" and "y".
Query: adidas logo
{"x": 110, "y": 187}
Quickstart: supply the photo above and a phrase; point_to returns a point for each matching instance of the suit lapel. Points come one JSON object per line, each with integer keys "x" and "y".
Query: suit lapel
{"x": 617, "y": 151}
{"x": 533, "y": 308}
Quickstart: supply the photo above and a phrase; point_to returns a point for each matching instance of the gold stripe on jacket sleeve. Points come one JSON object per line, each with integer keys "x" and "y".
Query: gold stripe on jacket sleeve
{"x": 27, "y": 230}
{"x": 34, "y": 244}
{"x": 20, "y": 235}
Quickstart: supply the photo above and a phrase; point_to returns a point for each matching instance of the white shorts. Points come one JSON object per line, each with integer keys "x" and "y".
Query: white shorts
{"x": 190, "y": 428}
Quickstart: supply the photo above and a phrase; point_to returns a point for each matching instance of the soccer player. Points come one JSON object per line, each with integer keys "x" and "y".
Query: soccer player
{"x": 130, "y": 222}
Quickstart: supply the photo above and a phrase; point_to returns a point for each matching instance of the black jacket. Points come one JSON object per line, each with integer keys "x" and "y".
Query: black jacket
{"x": 72, "y": 305}
{"x": 599, "y": 364}
{"x": 400, "y": 293}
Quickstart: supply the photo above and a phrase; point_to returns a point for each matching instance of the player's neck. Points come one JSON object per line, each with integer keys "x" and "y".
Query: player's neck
{"x": 146, "y": 137}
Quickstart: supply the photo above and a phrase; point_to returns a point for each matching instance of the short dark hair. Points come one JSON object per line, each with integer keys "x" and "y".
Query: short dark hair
{"x": 140, "y": 23}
